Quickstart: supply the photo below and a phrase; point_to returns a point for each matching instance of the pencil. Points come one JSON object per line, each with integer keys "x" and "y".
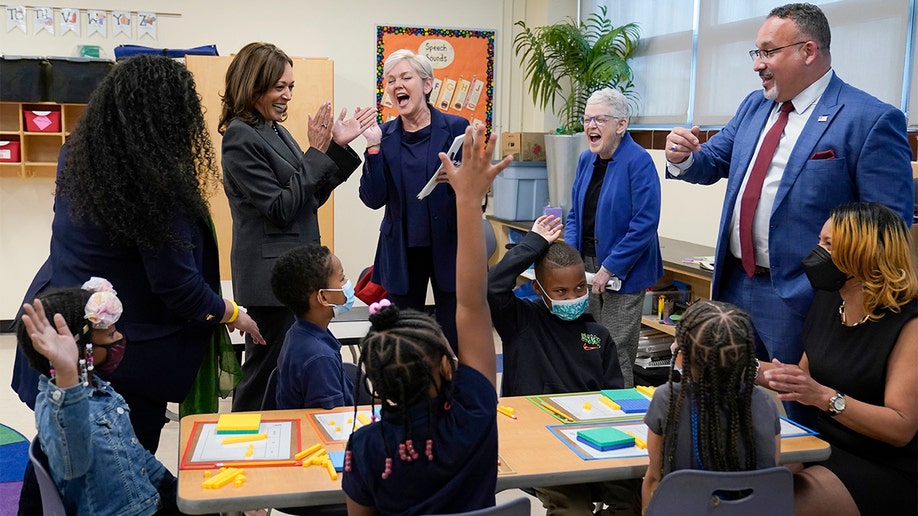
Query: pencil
{"x": 507, "y": 411}
{"x": 556, "y": 412}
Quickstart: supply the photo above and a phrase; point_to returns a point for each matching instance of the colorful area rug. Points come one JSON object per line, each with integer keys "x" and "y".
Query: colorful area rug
{"x": 14, "y": 454}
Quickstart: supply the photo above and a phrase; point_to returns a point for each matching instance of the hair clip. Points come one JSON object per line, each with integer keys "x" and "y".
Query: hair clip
{"x": 379, "y": 305}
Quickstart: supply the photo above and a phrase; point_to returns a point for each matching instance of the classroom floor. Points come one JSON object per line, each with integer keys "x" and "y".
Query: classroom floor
{"x": 17, "y": 415}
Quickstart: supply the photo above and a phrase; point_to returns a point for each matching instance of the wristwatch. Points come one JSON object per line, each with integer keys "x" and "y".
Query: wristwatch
{"x": 837, "y": 404}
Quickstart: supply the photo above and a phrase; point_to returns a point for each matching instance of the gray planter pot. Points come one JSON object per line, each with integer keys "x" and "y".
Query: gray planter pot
{"x": 561, "y": 154}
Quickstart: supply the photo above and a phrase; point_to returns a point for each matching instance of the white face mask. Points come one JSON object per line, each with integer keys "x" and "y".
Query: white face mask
{"x": 349, "y": 298}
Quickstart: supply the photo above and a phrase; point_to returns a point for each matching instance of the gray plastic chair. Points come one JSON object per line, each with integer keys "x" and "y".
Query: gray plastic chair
{"x": 517, "y": 507}
{"x": 690, "y": 492}
{"x": 51, "y": 502}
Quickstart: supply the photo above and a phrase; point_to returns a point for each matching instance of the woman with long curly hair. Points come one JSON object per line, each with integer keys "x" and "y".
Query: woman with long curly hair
{"x": 131, "y": 206}
{"x": 860, "y": 346}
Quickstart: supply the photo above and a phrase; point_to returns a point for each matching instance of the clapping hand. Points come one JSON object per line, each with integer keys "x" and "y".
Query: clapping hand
{"x": 345, "y": 130}
{"x": 319, "y": 127}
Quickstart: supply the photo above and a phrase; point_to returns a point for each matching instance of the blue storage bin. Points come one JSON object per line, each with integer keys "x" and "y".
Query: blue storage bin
{"x": 521, "y": 191}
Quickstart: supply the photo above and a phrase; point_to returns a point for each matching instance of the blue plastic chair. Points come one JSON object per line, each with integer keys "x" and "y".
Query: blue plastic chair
{"x": 517, "y": 507}
{"x": 690, "y": 492}
{"x": 51, "y": 502}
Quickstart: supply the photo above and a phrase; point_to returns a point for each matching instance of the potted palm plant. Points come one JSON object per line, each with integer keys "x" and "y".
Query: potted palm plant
{"x": 566, "y": 62}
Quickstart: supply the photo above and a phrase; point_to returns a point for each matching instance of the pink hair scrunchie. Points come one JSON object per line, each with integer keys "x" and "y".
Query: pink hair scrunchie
{"x": 379, "y": 305}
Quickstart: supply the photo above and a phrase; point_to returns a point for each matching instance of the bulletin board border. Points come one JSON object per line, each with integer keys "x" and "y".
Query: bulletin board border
{"x": 488, "y": 35}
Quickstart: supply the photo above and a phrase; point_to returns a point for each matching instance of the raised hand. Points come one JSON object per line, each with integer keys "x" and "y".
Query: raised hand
{"x": 549, "y": 227}
{"x": 345, "y": 130}
{"x": 53, "y": 341}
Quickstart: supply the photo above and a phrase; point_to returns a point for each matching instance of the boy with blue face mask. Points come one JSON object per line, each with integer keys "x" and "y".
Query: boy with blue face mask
{"x": 551, "y": 345}
{"x": 310, "y": 281}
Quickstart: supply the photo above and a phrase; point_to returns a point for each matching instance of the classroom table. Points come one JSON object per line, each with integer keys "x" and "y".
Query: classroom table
{"x": 530, "y": 455}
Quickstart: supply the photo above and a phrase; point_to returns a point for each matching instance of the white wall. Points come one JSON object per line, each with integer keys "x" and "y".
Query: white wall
{"x": 344, "y": 32}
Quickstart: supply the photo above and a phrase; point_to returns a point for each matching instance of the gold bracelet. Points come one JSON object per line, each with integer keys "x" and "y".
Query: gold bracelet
{"x": 233, "y": 317}
{"x": 373, "y": 145}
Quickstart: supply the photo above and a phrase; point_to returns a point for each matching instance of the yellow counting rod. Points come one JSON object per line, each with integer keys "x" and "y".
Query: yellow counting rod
{"x": 611, "y": 404}
{"x": 308, "y": 451}
{"x": 221, "y": 479}
{"x": 645, "y": 389}
{"x": 640, "y": 443}
{"x": 363, "y": 419}
{"x": 244, "y": 438}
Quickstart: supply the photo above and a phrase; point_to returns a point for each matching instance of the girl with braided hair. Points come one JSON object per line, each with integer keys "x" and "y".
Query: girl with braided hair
{"x": 716, "y": 418}
{"x": 438, "y": 428}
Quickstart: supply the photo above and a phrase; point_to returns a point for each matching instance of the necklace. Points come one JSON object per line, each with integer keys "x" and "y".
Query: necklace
{"x": 841, "y": 313}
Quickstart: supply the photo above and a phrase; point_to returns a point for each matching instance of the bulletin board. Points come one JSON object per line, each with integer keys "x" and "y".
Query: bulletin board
{"x": 463, "y": 62}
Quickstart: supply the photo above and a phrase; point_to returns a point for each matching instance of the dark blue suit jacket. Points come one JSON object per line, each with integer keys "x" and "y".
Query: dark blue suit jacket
{"x": 170, "y": 297}
{"x": 871, "y": 163}
{"x": 382, "y": 185}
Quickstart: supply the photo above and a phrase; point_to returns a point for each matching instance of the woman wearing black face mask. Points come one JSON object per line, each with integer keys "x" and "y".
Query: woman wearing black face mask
{"x": 860, "y": 344}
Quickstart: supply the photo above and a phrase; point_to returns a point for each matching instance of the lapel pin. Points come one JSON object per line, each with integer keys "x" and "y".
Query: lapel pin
{"x": 823, "y": 118}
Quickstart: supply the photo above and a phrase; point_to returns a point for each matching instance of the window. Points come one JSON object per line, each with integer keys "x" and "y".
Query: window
{"x": 693, "y": 65}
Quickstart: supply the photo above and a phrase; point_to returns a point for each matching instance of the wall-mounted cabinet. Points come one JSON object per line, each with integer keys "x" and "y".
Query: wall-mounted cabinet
{"x": 33, "y": 139}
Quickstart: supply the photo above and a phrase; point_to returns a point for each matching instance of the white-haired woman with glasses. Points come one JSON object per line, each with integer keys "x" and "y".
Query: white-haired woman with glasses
{"x": 417, "y": 237}
{"x": 615, "y": 211}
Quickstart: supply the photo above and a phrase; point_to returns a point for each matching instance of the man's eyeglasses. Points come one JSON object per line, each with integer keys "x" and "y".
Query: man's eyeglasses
{"x": 599, "y": 119}
{"x": 766, "y": 54}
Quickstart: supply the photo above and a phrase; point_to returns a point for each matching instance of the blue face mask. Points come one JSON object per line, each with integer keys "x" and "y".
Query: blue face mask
{"x": 348, "y": 290}
{"x": 566, "y": 309}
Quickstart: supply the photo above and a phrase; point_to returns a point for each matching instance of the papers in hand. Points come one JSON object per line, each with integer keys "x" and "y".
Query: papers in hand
{"x": 451, "y": 153}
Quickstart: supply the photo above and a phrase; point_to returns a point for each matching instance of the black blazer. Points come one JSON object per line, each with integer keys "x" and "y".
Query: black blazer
{"x": 274, "y": 192}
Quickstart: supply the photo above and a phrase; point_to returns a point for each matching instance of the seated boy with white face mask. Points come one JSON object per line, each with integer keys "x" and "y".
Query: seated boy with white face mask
{"x": 310, "y": 281}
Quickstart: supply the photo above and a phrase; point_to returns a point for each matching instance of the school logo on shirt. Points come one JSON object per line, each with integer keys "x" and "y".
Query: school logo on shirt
{"x": 590, "y": 341}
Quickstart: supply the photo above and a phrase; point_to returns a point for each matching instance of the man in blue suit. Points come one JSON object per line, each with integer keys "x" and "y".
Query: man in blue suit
{"x": 839, "y": 145}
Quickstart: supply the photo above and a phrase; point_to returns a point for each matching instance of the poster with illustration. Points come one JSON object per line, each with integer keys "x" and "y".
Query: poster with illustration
{"x": 463, "y": 63}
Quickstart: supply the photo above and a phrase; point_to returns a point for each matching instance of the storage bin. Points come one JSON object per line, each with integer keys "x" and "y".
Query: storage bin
{"x": 41, "y": 120}
{"x": 521, "y": 191}
{"x": 23, "y": 79}
{"x": 9, "y": 152}
{"x": 73, "y": 79}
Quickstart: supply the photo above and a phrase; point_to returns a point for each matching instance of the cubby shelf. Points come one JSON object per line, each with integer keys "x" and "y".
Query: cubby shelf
{"x": 37, "y": 150}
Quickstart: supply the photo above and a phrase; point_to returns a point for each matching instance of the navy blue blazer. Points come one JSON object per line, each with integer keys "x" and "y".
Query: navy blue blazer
{"x": 170, "y": 297}
{"x": 869, "y": 161}
{"x": 382, "y": 185}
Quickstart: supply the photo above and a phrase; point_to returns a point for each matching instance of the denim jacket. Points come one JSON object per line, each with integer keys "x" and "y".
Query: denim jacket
{"x": 96, "y": 462}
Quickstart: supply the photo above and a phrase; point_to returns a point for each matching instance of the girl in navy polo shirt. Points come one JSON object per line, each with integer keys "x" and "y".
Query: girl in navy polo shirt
{"x": 434, "y": 450}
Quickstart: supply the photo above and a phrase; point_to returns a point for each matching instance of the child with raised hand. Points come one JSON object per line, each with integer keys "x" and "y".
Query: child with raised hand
{"x": 310, "y": 281}
{"x": 434, "y": 451}
{"x": 717, "y": 418}
{"x": 553, "y": 346}
{"x": 96, "y": 462}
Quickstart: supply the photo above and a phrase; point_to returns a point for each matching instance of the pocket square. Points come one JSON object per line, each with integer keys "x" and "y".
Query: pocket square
{"x": 826, "y": 154}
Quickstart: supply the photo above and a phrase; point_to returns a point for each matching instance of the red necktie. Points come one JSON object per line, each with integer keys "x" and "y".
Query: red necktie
{"x": 754, "y": 187}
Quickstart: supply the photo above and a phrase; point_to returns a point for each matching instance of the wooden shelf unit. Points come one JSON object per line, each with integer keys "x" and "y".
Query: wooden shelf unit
{"x": 38, "y": 151}
{"x": 673, "y": 252}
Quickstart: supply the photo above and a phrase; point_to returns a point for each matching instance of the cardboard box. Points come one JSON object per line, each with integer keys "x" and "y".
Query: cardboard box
{"x": 43, "y": 120}
{"x": 523, "y": 146}
{"x": 9, "y": 152}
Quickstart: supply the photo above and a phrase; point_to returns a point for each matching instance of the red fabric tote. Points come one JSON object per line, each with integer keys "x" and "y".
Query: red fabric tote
{"x": 366, "y": 290}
